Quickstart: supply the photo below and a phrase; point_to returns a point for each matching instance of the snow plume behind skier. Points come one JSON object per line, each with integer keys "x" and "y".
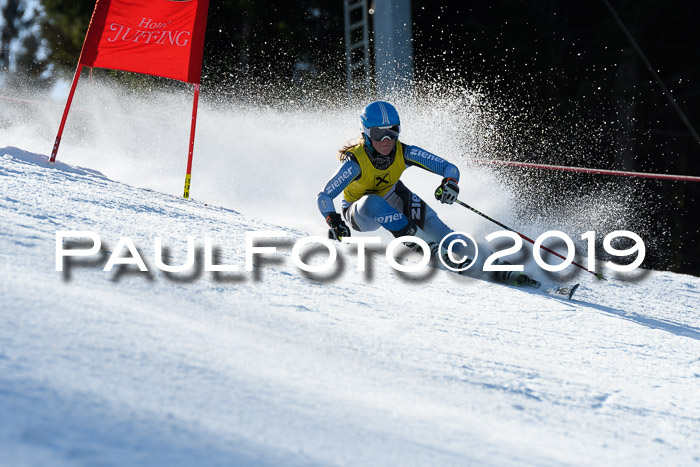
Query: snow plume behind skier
{"x": 374, "y": 196}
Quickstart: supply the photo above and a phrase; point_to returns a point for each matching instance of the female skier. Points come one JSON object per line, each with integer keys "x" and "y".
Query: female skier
{"x": 373, "y": 195}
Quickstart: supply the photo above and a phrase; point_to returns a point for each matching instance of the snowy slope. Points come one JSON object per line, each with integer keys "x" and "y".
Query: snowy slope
{"x": 274, "y": 367}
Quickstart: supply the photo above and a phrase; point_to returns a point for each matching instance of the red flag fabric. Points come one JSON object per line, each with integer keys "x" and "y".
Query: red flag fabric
{"x": 154, "y": 37}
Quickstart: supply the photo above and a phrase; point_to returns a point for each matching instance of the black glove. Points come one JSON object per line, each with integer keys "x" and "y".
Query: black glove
{"x": 447, "y": 191}
{"x": 338, "y": 229}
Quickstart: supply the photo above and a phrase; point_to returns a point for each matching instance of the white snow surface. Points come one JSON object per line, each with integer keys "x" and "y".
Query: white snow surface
{"x": 277, "y": 367}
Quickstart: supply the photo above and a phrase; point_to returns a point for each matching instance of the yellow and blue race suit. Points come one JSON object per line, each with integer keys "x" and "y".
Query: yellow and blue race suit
{"x": 374, "y": 198}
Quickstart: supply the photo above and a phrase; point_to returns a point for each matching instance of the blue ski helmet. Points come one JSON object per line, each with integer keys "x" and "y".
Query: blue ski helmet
{"x": 380, "y": 114}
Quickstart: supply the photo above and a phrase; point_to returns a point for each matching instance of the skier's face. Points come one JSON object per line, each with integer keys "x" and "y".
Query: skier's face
{"x": 384, "y": 147}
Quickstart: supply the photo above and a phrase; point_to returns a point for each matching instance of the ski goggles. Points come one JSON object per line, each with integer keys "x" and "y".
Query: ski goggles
{"x": 380, "y": 133}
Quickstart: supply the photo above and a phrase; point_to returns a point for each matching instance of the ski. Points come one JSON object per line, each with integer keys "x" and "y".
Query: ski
{"x": 556, "y": 290}
{"x": 562, "y": 291}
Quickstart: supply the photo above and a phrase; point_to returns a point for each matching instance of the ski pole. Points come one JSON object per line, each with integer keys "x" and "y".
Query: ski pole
{"x": 461, "y": 203}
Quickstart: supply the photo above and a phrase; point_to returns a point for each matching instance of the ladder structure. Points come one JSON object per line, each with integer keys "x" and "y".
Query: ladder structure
{"x": 357, "y": 67}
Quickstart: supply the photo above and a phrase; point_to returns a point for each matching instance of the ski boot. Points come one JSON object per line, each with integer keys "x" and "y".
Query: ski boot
{"x": 522, "y": 280}
{"x": 413, "y": 230}
{"x": 517, "y": 279}
{"x": 459, "y": 267}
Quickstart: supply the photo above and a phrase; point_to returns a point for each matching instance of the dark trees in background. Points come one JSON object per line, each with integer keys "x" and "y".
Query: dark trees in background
{"x": 248, "y": 43}
{"x": 575, "y": 75}
{"x": 64, "y": 25}
{"x": 21, "y": 53}
{"x": 11, "y": 15}
{"x": 252, "y": 43}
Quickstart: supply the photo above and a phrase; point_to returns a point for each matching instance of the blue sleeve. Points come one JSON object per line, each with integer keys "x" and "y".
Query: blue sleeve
{"x": 430, "y": 162}
{"x": 348, "y": 171}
